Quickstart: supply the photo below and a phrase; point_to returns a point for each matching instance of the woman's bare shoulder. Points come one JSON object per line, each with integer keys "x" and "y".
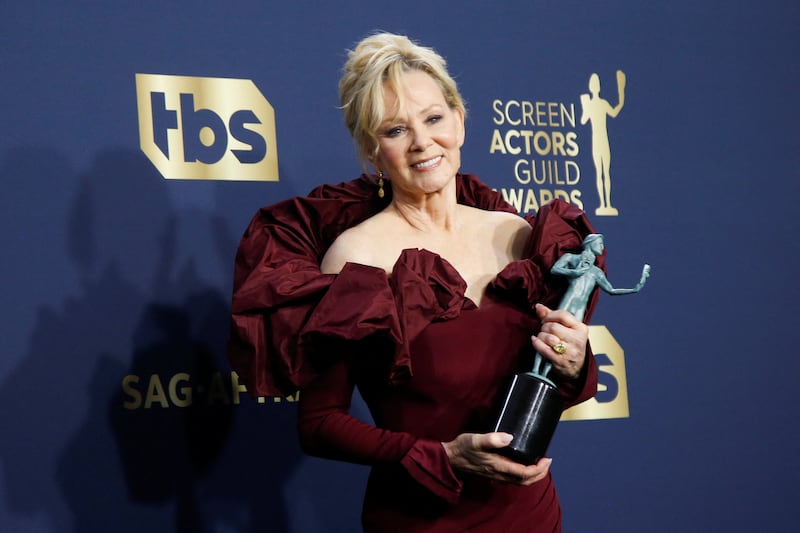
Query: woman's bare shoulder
{"x": 506, "y": 231}
{"x": 502, "y": 220}
{"x": 343, "y": 250}
{"x": 354, "y": 245}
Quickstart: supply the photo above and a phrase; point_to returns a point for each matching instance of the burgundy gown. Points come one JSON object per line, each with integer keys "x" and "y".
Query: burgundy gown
{"x": 428, "y": 363}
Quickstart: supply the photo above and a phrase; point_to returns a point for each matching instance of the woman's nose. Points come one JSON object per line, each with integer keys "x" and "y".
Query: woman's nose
{"x": 420, "y": 139}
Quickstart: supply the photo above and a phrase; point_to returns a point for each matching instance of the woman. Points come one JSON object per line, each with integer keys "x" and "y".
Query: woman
{"x": 424, "y": 289}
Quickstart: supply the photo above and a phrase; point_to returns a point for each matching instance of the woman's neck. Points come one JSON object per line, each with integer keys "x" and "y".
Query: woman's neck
{"x": 434, "y": 213}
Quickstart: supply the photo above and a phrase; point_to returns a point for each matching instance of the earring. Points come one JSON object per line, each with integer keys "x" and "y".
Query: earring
{"x": 381, "y": 193}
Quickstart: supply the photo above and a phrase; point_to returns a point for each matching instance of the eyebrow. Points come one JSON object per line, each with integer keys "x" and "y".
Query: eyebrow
{"x": 391, "y": 120}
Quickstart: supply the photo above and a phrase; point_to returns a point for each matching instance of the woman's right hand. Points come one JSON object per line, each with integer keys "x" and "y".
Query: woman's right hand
{"x": 474, "y": 453}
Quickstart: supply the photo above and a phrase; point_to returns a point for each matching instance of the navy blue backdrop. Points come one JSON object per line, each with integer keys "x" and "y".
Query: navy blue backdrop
{"x": 119, "y": 411}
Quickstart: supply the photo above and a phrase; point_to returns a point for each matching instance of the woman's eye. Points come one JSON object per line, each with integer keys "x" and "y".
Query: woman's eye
{"x": 393, "y": 132}
{"x": 434, "y": 119}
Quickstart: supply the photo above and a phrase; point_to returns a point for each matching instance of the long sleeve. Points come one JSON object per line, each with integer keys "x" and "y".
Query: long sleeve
{"x": 327, "y": 429}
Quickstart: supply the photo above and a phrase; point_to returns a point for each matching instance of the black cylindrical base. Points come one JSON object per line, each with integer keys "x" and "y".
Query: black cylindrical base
{"x": 530, "y": 412}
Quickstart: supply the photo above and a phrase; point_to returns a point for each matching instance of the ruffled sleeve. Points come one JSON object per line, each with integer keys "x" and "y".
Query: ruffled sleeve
{"x": 277, "y": 281}
{"x": 278, "y": 286}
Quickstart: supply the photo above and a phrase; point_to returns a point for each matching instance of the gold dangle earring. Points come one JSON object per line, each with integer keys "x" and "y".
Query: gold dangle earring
{"x": 381, "y": 193}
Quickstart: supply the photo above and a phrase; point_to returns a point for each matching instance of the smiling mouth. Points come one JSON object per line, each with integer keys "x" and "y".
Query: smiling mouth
{"x": 427, "y": 163}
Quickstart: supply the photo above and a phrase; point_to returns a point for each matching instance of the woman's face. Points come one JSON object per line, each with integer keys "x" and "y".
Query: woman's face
{"x": 419, "y": 147}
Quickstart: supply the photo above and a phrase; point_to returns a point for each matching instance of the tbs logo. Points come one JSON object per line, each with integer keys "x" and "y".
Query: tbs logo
{"x": 206, "y": 128}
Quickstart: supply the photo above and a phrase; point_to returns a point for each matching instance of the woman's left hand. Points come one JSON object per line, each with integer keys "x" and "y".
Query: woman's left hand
{"x": 560, "y": 329}
{"x": 476, "y": 453}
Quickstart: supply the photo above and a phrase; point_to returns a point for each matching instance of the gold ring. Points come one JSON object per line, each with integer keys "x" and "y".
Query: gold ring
{"x": 560, "y": 348}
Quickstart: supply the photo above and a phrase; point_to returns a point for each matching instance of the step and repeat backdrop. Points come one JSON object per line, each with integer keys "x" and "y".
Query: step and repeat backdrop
{"x": 139, "y": 139}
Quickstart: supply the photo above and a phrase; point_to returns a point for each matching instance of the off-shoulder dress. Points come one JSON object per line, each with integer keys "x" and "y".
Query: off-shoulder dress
{"x": 427, "y": 361}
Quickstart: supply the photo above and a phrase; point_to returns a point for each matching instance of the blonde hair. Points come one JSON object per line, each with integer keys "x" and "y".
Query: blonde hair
{"x": 379, "y": 58}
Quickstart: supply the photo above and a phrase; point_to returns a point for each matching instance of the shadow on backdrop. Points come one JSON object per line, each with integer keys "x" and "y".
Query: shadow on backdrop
{"x": 89, "y": 452}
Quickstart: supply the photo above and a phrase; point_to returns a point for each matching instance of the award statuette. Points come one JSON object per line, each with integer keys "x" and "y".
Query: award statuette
{"x": 532, "y": 406}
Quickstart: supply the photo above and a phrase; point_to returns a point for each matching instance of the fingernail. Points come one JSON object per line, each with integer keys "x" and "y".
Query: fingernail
{"x": 506, "y": 439}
